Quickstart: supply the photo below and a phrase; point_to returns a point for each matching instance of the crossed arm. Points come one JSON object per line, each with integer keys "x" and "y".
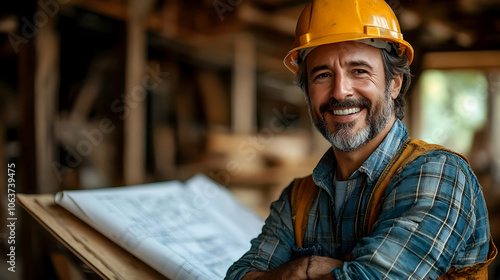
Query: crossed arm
{"x": 307, "y": 268}
{"x": 431, "y": 214}
{"x": 270, "y": 257}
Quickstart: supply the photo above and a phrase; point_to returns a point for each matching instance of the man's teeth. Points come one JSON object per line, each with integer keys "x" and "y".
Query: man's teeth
{"x": 346, "y": 112}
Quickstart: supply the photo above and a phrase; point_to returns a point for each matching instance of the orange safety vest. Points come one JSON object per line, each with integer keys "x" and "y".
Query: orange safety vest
{"x": 304, "y": 191}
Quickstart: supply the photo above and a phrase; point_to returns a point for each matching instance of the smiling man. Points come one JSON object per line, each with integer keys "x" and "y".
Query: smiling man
{"x": 349, "y": 102}
{"x": 379, "y": 205}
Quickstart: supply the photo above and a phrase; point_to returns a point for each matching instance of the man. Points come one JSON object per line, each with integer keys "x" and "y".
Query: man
{"x": 378, "y": 205}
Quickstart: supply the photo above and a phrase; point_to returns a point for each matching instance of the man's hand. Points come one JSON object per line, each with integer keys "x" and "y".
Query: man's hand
{"x": 295, "y": 270}
{"x": 308, "y": 268}
{"x": 320, "y": 268}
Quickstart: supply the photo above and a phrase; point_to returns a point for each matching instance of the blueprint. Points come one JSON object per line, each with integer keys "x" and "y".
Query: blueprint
{"x": 190, "y": 230}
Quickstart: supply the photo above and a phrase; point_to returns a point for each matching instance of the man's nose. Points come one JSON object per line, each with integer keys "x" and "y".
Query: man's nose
{"x": 342, "y": 87}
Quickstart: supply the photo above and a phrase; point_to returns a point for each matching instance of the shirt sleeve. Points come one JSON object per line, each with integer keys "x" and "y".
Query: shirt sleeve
{"x": 433, "y": 215}
{"x": 273, "y": 246}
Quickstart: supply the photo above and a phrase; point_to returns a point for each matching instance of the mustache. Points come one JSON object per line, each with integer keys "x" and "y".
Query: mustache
{"x": 333, "y": 103}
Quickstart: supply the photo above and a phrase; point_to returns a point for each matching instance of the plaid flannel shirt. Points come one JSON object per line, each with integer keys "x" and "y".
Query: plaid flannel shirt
{"x": 433, "y": 217}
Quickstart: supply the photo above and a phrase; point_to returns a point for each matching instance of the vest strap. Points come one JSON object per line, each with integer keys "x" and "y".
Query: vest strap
{"x": 304, "y": 191}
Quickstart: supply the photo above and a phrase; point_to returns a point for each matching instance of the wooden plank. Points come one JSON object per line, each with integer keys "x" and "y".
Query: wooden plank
{"x": 102, "y": 255}
{"x": 456, "y": 60}
{"x": 32, "y": 250}
{"x": 135, "y": 120}
{"x": 46, "y": 96}
{"x": 275, "y": 21}
{"x": 3, "y": 149}
{"x": 112, "y": 9}
{"x": 244, "y": 83}
{"x": 215, "y": 99}
{"x": 8, "y": 24}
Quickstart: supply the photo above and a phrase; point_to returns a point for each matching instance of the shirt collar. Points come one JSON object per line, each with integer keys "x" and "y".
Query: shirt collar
{"x": 372, "y": 167}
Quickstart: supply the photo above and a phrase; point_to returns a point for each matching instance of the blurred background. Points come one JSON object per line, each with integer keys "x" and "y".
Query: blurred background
{"x": 104, "y": 93}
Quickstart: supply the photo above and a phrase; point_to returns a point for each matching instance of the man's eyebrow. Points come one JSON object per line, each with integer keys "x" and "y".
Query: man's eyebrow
{"x": 317, "y": 68}
{"x": 355, "y": 63}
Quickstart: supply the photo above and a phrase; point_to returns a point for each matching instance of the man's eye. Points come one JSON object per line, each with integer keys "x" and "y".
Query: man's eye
{"x": 322, "y": 75}
{"x": 359, "y": 71}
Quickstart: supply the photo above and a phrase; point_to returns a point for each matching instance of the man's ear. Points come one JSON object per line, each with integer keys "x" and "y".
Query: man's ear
{"x": 396, "y": 84}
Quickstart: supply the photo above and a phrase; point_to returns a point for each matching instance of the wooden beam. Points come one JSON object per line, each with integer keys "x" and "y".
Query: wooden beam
{"x": 135, "y": 93}
{"x": 277, "y": 22}
{"x": 215, "y": 99}
{"x": 244, "y": 93}
{"x": 32, "y": 249}
{"x": 119, "y": 10}
{"x": 468, "y": 59}
{"x": 9, "y": 23}
{"x": 113, "y": 9}
{"x": 46, "y": 97}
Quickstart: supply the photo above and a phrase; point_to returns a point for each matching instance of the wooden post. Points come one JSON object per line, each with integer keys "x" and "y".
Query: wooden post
{"x": 31, "y": 246}
{"x": 135, "y": 93}
{"x": 46, "y": 96}
{"x": 244, "y": 96}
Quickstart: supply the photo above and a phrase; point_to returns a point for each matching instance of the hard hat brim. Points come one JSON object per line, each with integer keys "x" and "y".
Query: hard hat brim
{"x": 291, "y": 58}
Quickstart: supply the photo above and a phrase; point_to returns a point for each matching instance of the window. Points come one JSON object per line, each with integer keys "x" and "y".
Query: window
{"x": 454, "y": 107}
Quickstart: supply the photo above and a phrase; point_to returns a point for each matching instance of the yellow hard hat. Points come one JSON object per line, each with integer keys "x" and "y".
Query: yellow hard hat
{"x": 331, "y": 21}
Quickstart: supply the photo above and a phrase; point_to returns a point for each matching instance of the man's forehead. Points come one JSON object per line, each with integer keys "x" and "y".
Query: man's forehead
{"x": 344, "y": 51}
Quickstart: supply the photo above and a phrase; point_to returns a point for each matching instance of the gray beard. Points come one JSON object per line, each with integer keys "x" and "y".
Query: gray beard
{"x": 345, "y": 139}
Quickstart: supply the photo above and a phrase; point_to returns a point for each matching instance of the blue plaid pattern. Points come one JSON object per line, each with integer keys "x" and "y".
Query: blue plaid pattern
{"x": 433, "y": 217}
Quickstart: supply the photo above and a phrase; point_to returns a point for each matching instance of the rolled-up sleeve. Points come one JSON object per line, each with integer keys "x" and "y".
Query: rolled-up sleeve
{"x": 272, "y": 247}
{"x": 433, "y": 215}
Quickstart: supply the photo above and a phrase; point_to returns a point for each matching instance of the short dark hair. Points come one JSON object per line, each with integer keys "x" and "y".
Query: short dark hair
{"x": 393, "y": 66}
